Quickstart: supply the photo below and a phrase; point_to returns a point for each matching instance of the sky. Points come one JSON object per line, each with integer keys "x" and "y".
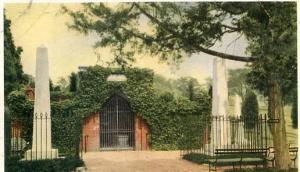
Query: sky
{"x": 42, "y": 24}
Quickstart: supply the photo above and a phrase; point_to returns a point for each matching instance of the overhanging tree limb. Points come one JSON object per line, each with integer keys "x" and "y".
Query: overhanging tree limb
{"x": 197, "y": 47}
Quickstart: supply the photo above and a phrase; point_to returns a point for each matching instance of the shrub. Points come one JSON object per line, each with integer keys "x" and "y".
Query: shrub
{"x": 250, "y": 109}
{"x": 57, "y": 165}
{"x": 197, "y": 158}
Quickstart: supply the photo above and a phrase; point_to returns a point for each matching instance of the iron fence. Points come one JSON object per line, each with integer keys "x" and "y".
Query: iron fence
{"x": 42, "y": 137}
{"x": 228, "y": 133}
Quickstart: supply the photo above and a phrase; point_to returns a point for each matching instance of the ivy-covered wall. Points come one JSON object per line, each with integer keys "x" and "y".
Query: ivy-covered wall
{"x": 175, "y": 123}
{"x": 170, "y": 119}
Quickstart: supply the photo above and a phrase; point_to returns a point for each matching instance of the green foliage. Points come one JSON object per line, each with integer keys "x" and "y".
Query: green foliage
{"x": 250, "y": 109}
{"x": 295, "y": 113}
{"x": 63, "y": 119}
{"x": 13, "y": 73}
{"x": 63, "y": 84}
{"x": 173, "y": 121}
{"x": 73, "y": 82}
{"x": 237, "y": 82}
{"x": 60, "y": 95}
{"x": 191, "y": 90}
{"x": 169, "y": 118}
{"x": 57, "y": 165}
{"x": 184, "y": 86}
{"x": 273, "y": 40}
{"x": 197, "y": 158}
{"x": 162, "y": 85}
{"x": 177, "y": 29}
{"x": 66, "y": 127}
{"x": 7, "y": 132}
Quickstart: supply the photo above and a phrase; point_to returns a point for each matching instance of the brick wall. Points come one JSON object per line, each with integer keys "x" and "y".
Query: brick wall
{"x": 91, "y": 133}
{"x": 141, "y": 134}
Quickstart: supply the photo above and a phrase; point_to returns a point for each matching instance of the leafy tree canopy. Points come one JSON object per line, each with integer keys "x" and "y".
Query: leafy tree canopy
{"x": 176, "y": 29}
{"x": 237, "y": 82}
{"x": 273, "y": 40}
{"x": 13, "y": 73}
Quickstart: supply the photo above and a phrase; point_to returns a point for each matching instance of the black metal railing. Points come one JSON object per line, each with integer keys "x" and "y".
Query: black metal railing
{"x": 65, "y": 136}
{"x": 228, "y": 132}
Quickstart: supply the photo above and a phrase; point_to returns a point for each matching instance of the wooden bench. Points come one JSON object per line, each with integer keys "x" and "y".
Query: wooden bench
{"x": 293, "y": 155}
{"x": 224, "y": 157}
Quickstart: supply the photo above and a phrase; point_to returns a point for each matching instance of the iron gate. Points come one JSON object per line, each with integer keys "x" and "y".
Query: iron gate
{"x": 116, "y": 125}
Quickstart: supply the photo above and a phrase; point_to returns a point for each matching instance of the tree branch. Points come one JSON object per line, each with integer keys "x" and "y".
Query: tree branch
{"x": 200, "y": 48}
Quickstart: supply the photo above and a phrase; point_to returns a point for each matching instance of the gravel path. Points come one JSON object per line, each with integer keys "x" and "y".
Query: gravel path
{"x": 139, "y": 161}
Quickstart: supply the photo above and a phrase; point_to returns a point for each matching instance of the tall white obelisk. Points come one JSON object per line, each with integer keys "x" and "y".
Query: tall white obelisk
{"x": 238, "y": 106}
{"x": 220, "y": 132}
{"x": 240, "y": 136}
{"x": 41, "y": 138}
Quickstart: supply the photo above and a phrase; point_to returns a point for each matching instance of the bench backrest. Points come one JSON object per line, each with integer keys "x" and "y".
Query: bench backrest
{"x": 258, "y": 151}
{"x": 241, "y": 151}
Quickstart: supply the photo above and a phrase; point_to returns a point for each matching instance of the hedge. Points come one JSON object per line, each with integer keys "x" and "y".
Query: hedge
{"x": 57, "y": 165}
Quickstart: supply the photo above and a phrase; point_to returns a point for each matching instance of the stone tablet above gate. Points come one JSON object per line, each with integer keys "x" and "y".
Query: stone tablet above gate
{"x": 116, "y": 78}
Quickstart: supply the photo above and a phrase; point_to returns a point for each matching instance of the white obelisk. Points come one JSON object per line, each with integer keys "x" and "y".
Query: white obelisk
{"x": 237, "y": 106}
{"x": 41, "y": 138}
{"x": 240, "y": 137}
{"x": 220, "y": 132}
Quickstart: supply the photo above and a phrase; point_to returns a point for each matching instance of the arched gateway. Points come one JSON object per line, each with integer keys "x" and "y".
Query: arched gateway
{"x": 116, "y": 125}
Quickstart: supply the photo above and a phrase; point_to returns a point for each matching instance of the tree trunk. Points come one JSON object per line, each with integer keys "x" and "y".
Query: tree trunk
{"x": 278, "y": 130}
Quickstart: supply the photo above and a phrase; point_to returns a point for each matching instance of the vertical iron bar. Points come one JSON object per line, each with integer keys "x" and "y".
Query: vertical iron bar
{"x": 261, "y": 131}
{"x": 266, "y": 139}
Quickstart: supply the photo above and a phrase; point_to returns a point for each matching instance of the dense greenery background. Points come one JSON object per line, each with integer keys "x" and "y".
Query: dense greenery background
{"x": 173, "y": 120}
{"x": 166, "y": 115}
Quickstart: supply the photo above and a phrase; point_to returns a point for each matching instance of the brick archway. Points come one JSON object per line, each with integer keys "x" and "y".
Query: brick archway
{"x": 117, "y": 125}
{"x": 91, "y": 132}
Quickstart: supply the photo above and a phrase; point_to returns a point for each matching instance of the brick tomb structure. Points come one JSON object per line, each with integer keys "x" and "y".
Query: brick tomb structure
{"x": 91, "y": 133}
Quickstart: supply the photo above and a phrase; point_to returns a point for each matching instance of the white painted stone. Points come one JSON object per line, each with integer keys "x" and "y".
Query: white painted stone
{"x": 239, "y": 133}
{"x": 41, "y": 138}
{"x": 116, "y": 78}
{"x": 220, "y": 134}
{"x": 237, "y": 106}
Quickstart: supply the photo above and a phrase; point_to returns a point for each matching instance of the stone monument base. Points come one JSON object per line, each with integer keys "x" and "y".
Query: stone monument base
{"x": 41, "y": 155}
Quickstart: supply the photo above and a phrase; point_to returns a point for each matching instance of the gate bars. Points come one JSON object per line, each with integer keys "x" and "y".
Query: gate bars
{"x": 116, "y": 125}
{"x": 250, "y": 132}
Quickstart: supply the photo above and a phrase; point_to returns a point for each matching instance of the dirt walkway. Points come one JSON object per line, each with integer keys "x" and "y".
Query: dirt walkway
{"x": 139, "y": 161}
